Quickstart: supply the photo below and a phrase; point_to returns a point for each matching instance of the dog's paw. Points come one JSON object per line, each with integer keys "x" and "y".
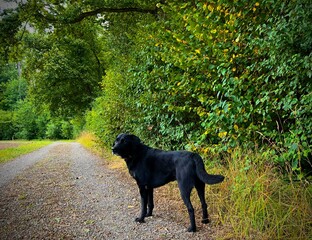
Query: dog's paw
{"x": 148, "y": 215}
{"x": 191, "y": 229}
{"x": 140, "y": 220}
{"x": 205, "y": 221}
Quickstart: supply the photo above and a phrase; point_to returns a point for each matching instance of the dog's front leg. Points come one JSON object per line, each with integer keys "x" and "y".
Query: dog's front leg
{"x": 144, "y": 200}
{"x": 150, "y": 202}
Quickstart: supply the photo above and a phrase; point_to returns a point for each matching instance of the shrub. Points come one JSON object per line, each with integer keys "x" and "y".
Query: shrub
{"x": 6, "y": 125}
{"x": 54, "y": 130}
{"x": 66, "y": 130}
{"x": 24, "y": 120}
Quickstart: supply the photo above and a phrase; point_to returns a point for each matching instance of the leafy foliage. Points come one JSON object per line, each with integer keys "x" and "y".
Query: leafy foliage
{"x": 203, "y": 75}
{"x": 21, "y": 118}
{"x": 9, "y": 27}
{"x": 6, "y": 124}
{"x": 216, "y": 75}
{"x": 65, "y": 72}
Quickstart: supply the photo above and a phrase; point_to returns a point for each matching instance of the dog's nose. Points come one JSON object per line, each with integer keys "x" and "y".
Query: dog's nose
{"x": 114, "y": 149}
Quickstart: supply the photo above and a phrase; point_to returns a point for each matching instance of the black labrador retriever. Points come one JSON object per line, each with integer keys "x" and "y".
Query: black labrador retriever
{"x": 152, "y": 168}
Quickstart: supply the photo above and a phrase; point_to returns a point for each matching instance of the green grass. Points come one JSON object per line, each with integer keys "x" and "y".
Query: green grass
{"x": 19, "y": 148}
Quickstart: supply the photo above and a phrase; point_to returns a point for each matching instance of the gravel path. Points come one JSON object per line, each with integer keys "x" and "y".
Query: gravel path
{"x": 11, "y": 169}
{"x": 64, "y": 192}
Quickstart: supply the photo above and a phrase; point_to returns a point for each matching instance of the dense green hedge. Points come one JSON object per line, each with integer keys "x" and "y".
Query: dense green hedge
{"x": 213, "y": 76}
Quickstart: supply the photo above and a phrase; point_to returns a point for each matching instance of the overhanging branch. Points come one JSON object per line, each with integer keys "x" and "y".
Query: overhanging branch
{"x": 84, "y": 15}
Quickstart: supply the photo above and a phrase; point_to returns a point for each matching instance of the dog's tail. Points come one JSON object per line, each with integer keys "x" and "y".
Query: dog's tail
{"x": 203, "y": 175}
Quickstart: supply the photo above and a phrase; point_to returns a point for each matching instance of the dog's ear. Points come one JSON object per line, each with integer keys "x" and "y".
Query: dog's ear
{"x": 135, "y": 138}
{"x": 119, "y": 135}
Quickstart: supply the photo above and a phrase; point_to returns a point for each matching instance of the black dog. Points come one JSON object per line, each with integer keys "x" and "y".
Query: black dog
{"x": 152, "y": 168}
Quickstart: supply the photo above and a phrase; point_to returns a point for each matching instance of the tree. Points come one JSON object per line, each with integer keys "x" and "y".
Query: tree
{"x": 67, "y": 68}
{"x": 66, "y": 71}
{"x": 8, "y": 73}
{"x": 14, "y": 90}
{"x": 9, "y": 27}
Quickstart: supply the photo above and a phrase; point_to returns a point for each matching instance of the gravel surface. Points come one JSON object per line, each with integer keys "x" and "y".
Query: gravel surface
{"x": 11, "y": 169}
{"x": 4, "y": 144}
{"x": 62, "y": 191}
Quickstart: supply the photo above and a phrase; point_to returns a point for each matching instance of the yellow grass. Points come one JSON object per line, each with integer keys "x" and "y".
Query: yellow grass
{"x": 89, "y": 141}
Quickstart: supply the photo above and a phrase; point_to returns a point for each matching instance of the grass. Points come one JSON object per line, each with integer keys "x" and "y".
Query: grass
{"x": 19, "y": 148}
{"x": 254, "y": 201}
{"x": 89, "y": 141}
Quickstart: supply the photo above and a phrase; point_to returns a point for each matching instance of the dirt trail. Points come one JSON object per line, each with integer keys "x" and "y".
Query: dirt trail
{"x": 64, "y": 192}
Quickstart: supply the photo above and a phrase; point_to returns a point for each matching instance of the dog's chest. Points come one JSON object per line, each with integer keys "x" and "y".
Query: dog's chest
{"x": 139, "y": 176}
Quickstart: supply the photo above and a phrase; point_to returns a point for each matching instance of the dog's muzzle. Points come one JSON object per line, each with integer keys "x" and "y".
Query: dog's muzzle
{"x": 114, "y": 151}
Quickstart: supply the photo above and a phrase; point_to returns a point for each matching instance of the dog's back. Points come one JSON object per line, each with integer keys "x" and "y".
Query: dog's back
{"x": 165, "y": 165}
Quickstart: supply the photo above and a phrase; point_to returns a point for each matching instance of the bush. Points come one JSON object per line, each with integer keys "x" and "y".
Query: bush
{"x": 214, "y": 76}
{"x": 6, "y": 125}
{"x": 222, "y": 75}
{"x": 66, "y": 130}
{"x": 112, "y": 111}
{"x": 24, "y": 121}
{"x": 54, "y": 130}
{"x": 59, "y": 129}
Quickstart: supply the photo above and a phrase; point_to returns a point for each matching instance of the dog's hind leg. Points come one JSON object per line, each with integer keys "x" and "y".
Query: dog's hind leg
{"x": 200, "y": 187}
{"x": 150, "y": 202}
{"x": 185, "y": 190}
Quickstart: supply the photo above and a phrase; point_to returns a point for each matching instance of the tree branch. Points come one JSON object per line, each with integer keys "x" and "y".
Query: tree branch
{"x": 84, "y": 15}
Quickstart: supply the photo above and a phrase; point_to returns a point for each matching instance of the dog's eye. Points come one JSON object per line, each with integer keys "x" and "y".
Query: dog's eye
{"x": 122, "y": 140}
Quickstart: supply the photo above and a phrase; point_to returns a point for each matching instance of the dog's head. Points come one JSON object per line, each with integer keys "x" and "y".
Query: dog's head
{"x": 126, "y": 145}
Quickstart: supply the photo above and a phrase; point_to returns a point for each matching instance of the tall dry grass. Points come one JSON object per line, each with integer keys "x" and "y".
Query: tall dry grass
{"x": 254, "y": 202}
{"x": 89, "y": 140}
